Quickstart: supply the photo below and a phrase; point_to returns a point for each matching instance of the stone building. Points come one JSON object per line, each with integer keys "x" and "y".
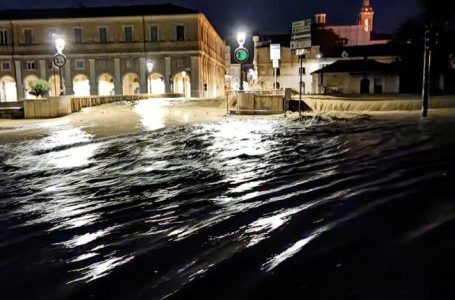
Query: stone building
{"x": 362, "y": 46}
{"x": 361, "y": 76}
{"x": 359, "y": 34}
{"x": 108, "y": 49}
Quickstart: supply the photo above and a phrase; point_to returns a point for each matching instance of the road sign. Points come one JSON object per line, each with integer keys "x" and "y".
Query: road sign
{"x": 301, "y": 35}
{"x": 241, "y": 55}
{"x": 276, "y": 63}
{"x": 59, "y": 60}
{"x": 275, "y": 52}
{"x": 300, "y": 51}
{"x": 301, "y": 29}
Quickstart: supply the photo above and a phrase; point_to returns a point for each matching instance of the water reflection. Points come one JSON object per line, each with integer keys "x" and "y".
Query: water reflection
{"x": 152, "y": 114}
{"x": 227, "y": 205}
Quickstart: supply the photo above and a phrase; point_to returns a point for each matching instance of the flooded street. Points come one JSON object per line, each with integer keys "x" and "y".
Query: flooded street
{"x": 228, "y": 207}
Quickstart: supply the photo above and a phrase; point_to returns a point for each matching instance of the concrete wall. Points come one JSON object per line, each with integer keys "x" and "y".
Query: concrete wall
{"x": 47, "y": 108}
{"x": 252, "y": 103}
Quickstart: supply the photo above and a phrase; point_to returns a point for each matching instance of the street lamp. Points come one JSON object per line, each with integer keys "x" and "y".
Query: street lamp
{"x": 60, "y": 61}
{"x": 184, "y": 83}
{"x": 241, "y": 37}
{"x": 150, "y": 70}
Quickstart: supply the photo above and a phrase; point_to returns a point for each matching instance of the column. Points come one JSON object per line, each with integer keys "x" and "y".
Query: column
{"x": 93, "y": 83}
{"x": 42, "y": 68}
{"x": 167, "y": 74}
{"x": 68, "y": 80}
{"x": 143, "y": 75}
{"x": 195, "y": 73}
{"x": 118, "y": 79}
{"x": 19, "y": 83}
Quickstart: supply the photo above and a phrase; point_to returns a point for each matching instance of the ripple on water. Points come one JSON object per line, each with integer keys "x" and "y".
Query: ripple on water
{"x": 242, "y": 207}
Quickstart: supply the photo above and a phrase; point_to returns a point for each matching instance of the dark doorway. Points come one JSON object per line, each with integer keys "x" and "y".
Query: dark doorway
{"x": 365, "y": 86}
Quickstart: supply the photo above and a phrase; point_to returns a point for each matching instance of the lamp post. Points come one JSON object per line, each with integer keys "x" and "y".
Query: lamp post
{"x": 241, "y": 37}
{"x": 150, "y": 70}
{"x": 184, "y": 83}
{"x": 60, "y": 61}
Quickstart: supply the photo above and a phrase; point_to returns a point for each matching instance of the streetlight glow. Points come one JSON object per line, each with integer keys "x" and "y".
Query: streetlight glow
{"x": 241, "y": 37}
{"x": 150, "y": 67}
{"x": 60, "y": 45}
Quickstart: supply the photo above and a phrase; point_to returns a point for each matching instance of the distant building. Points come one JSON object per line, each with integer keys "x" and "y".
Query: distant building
{"x": 358, "y": 77}
{"x": 362, "y": 47}
{"x": 108, "y": 49}
{"x": 360, "y": 34}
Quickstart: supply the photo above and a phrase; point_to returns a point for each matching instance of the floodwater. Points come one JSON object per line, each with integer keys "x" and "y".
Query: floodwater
{"x": 240, "y": 208}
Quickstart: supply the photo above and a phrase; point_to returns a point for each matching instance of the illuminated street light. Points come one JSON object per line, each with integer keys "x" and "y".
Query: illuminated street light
{"x": 150, "y": 70}
{"x": 241, "y": 37}
{"x": 60, "y": 45}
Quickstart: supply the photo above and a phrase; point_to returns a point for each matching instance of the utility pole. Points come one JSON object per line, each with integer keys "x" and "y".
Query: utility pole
{"x": 426, "y": 71}
{"x": 301, "y": 85}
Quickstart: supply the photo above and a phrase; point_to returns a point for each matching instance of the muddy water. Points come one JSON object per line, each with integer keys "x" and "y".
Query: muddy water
{"x": 233, "y": 209}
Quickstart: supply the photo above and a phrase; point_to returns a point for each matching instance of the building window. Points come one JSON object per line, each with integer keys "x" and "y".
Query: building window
{"x": 180, "y": 32}
{"x": 128, "y": 34}
{"x": 80, "y": 64}
{"x": 6, "y": 66}
{"x": 30, "y": 65}
{"x": 50, "y": 64}
{"x": 3, "y": 38}
{"x": 103, "y": 34}
{"x": 154, "y": 33}
{"x": 78, "y": 35}
{"x": 28, "y": 37}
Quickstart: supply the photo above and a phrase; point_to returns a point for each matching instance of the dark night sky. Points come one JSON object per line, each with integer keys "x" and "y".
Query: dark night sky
{"x": 261, "y": 16}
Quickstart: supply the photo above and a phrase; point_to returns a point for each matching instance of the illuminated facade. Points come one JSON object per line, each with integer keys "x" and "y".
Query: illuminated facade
{"x": 108, "y": 49}
{"x": 360, "y": 34}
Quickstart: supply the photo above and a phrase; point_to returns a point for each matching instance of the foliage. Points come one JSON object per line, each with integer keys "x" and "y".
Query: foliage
{"x": 39, "y": 88}
{"x": 437, "y": 10}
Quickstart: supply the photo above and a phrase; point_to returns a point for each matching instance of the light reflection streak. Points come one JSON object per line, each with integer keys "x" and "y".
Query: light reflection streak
{"x": 101, "y": 269}
{"x": 152, "y": 114}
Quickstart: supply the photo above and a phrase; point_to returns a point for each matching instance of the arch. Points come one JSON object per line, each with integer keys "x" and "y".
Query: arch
{"x": 54, "y": 84}
{"x": 182, "y": 84}
{"x": 156, "y": 84}
{"x": 365, "y": 86}
{"x": 81, "y": 85}
{"x": 8, "y": 91}
{"x": 106, "y": 85}
{"x": 28, "y": 80}
{"x": 131, "y": 85}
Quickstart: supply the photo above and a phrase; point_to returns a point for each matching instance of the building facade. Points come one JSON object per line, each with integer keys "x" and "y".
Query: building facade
{"x": 108, "y": 49}
{"x": 360, "y": 34}
{"x": 359, "y": 45}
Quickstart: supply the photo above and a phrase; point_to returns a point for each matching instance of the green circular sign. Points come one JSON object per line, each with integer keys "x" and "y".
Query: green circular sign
{"x": 241, "y": 55}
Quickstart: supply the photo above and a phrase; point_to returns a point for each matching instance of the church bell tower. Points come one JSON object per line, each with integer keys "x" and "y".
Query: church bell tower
{"x": 366, "y": 17}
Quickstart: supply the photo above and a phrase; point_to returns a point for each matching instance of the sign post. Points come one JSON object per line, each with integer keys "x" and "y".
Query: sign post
{"x": 60, "y": 61}
{"x": 301, "y": 45}
{"x": 241, "y": 56}
{"x": 275, "y": 56}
